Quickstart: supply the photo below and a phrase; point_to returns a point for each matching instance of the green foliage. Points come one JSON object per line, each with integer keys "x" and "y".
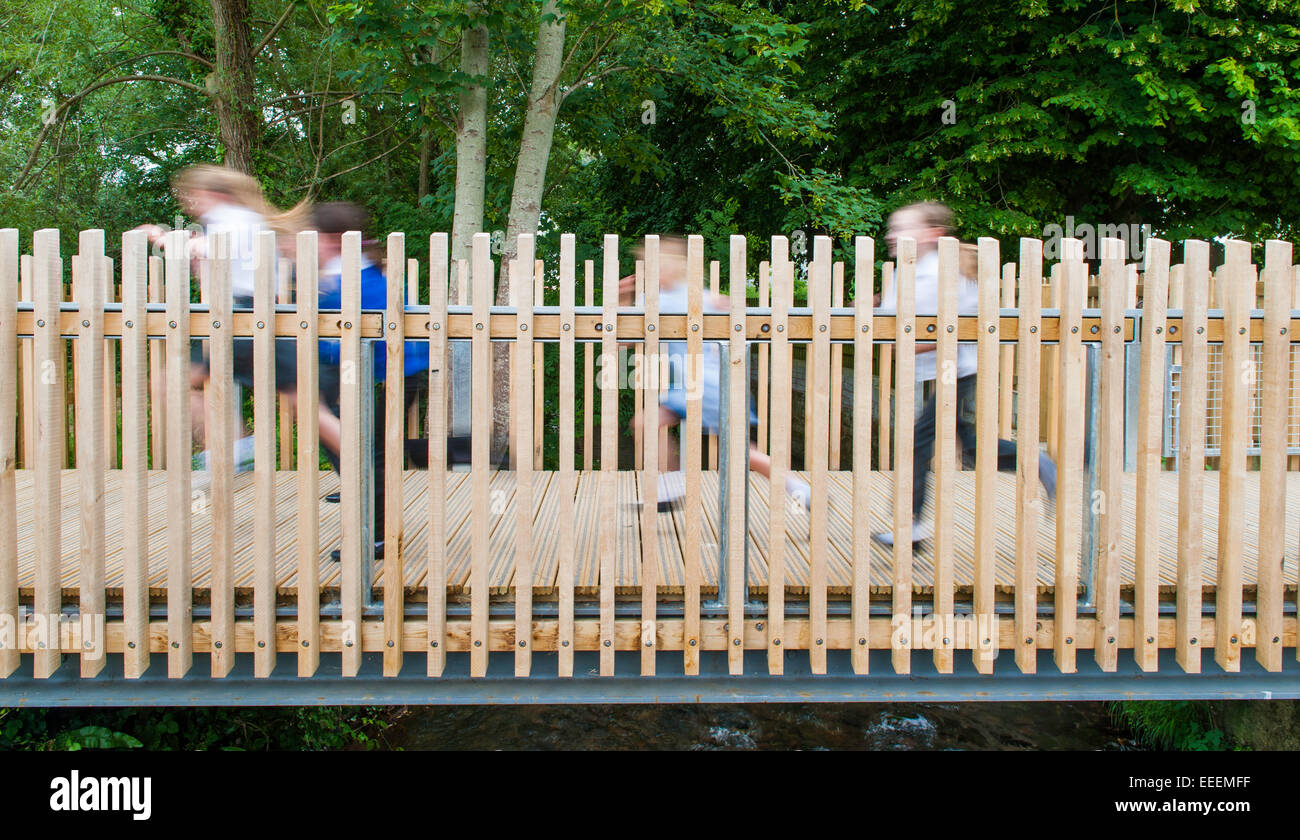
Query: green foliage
{"x": 256, "y": 729}
{"x": 1172, "y": 725}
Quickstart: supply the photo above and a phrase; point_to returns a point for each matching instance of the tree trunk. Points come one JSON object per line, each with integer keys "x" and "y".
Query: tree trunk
{"x": 471, "y": 147}
{"x": 232, "y": 83}
{"x": 426, "y": 154}
{"x": 530, "y": 181}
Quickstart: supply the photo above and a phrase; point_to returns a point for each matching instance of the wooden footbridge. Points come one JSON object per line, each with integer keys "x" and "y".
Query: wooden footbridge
{"x": 1165, "y": 566}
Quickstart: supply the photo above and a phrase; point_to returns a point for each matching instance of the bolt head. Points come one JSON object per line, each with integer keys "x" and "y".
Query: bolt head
{"x": 608, "y": 643}
{"x": 478, "y": 643}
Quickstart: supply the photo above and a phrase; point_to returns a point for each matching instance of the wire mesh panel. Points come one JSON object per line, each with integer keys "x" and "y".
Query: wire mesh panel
{"x": 1214, "y": 403}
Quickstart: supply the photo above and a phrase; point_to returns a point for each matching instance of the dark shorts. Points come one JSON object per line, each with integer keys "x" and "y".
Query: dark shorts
{"x": 286, "y": 361}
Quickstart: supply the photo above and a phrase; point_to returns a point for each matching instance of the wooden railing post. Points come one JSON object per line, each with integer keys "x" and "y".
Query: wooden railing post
{"x": 90, "y": 277}
{"x": 1191, "y": 453}
{"x": 180, "y": 594}
{"x": 308, "y": 461}
{"x": 394, "y": 454}
{"x": 9, "y": 657}
{"x": 1274, "y": 414}
{"x": 264, "y": 437}
{"x": 568, "y": 482}
{"x": 904, "y": 422}
{"x": 436, "y": 486}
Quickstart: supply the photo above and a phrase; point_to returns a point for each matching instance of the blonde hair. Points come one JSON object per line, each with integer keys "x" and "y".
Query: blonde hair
{"x": 935, "y": 214}
{"x": 244, "y": 191}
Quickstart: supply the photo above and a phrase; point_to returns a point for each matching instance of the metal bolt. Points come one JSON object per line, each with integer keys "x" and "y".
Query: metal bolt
{"x": 523, "y": 328}
{"x": 1110, "y": 640}
{"x": 1193, "y": 640}
{"x": 929, "y": 328}
{"x": 692, "y": 643}
{"x": 1033, "y": 330}
{"x": 648, "y": 327}
{"x": 437, "y": 325}
{"x": 1151, "y": 640}
{"x": 865, "y": 328}
{"x": 348, "y": 643}
{"x": 609, "y": 327}
{"x": 306, "y": 643}
{"x": 129, "y": 325}
{"x": 522, "y": 643}
{"x": 608, "y": 643}
{"x": 819, "y": 641}
{"x": 992, "y": 329}
{"x": 1069, "y": 640}
{"x": 392, "y": 325}
{"x": 216, "y": 325}
{"x": 433, "y": 644}
{"x": 478, "y": 326}
{"x": 951, "y": 328}
{"x": 564, "y": 643}
{"x": 217, "y": 645}
{"x": 1159, "y": 330}
{"x": 694, "y": 327}
{"x": 1282, "y": 331}
{"x": 41, "y": 645}
{"x": 174, "y": 644}
{"x": 1038, "y": 625}
{"x": 1073, "y": 330}
{"x": 171, "y": 324}
{"x": 1200, "y": 330}
{"x": 1115, "y": 330}
{"x": 736, "y": 642}
{"x": 1241, "y": 331}
{"x": 261, "y": 644}
{"x": 862, "y": 641}
{"x": 903, "y": 641}
{"x": 758, "y": 626}
{"x": 987, "y": 641}
{"x": 738, "y": 327}
{"x": 907, "y": 329}
{"x": 389, "y": 643}
{"x": 1028, "y": 640}
{"x": 261, "y": 325}
{"x": 478, "y": 643}
{"x": 131, "y": 645}
{"x": 945, "y": 640}
{"x": 302, "y": 324}
{"x": 40, "y": 322}
{"x": 765, "y": 328}
{"x": 776, "y": 642}
{"x": 1276, "y": 640}
{"x": 85, "y": 323}
{"x": 347, "y": 325}
{"x": 566, "y": 327}
{"x": 1095, "y": 329}
{"x": 1233, "y": 640}
{"x": 780, "y": 327}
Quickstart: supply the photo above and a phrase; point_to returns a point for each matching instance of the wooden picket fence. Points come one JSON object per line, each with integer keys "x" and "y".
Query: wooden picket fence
{"x": 576, "y": 559}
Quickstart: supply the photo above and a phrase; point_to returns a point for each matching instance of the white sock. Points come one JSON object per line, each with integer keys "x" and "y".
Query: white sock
{"x": 797, "y": 488}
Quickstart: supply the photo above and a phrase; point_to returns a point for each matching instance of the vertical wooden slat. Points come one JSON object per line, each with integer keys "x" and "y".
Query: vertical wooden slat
{"x": 89, "y": 278}
{"x": 264, "y": 417}
{"x": 567, "y": 478}
{"x": 638, "y": 395}
{"x": 9, "y": 273}
{"x": 782, "y": 363}
{"x": 47, "y": 282}
{"x": 607, "y": 516}
{"x": 136, "y": 350}
{"x": 394, "y": 455}
{"x": 715, "y": 269}
{"x": 1110, "y": 453}
{"x": 588, "y": 386}
{"x": 884, "y": 457}
{"x": 945, "y": 450}
{"x": 764, "y": 357}
{"x": 539, "y": 373}
{"x": 220, "y": 441}
{"x": 109, "y": 373}
{"x": 651, "y": 369}
{"x": 351, "y": 377}
{"x": 986, "y": 451}
{"x": 837, "y": 370}
{"x": 1073, "y": 288}
{"x": 308, "y": 461}
{"x": 284, "y": 296}
{"x": 524, "y": 388}
{"x": 1028, "y": 510}
{"x": 863, "y": 289}
{"x": 904, "y": 418}
{"x": 737, "y": 443}
{"x": 413, "y": 298}
{"x": 692, "y": 547}
{"x": 1238, "y": 296}
{"x": 27, "y": 354}
{"x": 437, "y": 477}
{"x": 180, "y": 596}
{"x": 817, "y": 368}
{"x": 1151, "y": 389}
{"x": 479, "y": 457}
{"x": 1007, "y": 367}
{"x": 157, "y": 374}
{"x": 1274, "y": 416}
{"x": 1191, "y": 453}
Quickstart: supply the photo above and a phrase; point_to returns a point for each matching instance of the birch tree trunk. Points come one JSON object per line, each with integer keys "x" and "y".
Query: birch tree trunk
{"x": 471, "y": 146}
{"x": 526, "y": 196}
